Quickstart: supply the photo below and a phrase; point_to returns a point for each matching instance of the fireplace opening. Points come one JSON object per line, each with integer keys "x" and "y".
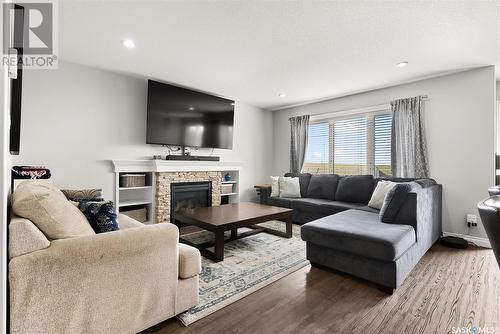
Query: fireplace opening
{"x": 189, "y": 195}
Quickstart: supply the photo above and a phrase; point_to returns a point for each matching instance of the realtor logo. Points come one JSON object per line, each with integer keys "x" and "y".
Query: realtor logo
{"x": 29, "y": 34}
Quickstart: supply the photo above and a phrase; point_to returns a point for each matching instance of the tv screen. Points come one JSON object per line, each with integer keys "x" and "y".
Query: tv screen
{"x": 183, "y": 117}
{"x": 16, "y": 84}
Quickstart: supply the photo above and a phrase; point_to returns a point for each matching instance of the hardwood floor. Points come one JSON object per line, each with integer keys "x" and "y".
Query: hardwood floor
{"x": 449, "y": 288}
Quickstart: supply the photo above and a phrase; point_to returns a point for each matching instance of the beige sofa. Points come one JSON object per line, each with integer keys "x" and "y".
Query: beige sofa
{"x": 116, "y": 282}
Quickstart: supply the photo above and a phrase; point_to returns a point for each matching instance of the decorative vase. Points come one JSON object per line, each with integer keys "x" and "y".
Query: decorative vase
{"x": 228, "y": 177}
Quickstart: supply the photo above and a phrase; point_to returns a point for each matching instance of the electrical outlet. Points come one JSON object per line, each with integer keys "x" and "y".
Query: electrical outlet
{"x": 471, "y": 220}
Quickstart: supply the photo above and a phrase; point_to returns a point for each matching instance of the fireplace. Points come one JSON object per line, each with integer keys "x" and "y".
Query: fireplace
{"x": 189, "y": 195}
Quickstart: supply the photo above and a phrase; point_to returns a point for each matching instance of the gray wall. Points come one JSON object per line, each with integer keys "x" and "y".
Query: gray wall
{"x": 498, "y": 90}
{"x": 459, "y": 120}
{"x": 76, "y": 119}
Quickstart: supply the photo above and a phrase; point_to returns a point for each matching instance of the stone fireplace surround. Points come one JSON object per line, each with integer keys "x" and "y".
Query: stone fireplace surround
{"x": 163, "y": 186}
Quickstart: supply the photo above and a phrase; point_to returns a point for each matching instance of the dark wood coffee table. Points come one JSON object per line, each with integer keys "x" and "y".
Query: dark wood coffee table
{"x": 230, "y": 217}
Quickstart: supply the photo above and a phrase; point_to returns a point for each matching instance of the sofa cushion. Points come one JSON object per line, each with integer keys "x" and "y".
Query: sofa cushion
{"x": 101, "y": 215}
{"x": 47, "y": 207}
{"x": 304, "y": 179}
{"x": 289, "y": 187}
{"x": 322, "y": 206}
{"x": 367, "y": 208}
{"x": 282, "y": 202}
{"x": 360, "y": 233}
{"x": 342, "y": 206}
{"x": 393, "y": 201}
{"x": 308, "y": 204}
{"x": 355, "y": 189}
{"x": 323, "y": 186}
{"x": 189, "y": 261}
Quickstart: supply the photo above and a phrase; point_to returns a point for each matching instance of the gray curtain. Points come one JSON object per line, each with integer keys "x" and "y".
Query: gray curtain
{"x": 299, "y": 129}
{"x": 408, "y": 146}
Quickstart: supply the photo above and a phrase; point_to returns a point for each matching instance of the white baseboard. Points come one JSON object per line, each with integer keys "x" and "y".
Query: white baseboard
{"x": 481, "y": 242}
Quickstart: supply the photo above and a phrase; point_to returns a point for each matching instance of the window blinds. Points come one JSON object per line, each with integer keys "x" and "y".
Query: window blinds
{"x": 350, "y": 145}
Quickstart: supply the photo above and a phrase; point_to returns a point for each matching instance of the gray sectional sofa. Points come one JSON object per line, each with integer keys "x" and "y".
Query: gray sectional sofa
{"x": 344, "y": 234}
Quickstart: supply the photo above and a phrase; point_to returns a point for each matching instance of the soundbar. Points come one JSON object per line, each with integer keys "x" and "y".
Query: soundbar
{"x": 192, "y": 157}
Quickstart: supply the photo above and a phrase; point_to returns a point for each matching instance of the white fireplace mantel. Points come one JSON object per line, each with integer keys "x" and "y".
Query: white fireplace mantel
{"x": 173, "y": 166}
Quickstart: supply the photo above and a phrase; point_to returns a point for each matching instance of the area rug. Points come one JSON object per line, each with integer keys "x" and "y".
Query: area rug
{"x": 249, "y": 264}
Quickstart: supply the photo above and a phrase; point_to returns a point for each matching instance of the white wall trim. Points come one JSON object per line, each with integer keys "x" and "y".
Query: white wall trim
{"x": 481, "y": 242}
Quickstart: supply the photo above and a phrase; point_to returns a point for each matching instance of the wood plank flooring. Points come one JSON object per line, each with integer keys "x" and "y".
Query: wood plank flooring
{"x": 449, "y": 288}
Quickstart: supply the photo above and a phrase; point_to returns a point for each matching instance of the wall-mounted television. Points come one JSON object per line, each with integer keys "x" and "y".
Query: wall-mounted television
{"x": 183, "y": 117}
{"x": 16, "y": 85}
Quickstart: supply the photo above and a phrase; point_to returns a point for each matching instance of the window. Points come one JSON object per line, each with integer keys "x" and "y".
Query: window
{"x": 350, "y": 145}
{"x": 318, "y": 149}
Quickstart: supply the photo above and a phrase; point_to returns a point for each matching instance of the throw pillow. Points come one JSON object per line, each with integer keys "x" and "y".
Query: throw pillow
{"x": 101, "y": 215}
{"x": 393, "y": 201}
{"x": 275, "y": 186}
{"x": 304, "y": 179}
{"x": 355, "y": 189}
{"x": 289, "y": 187}
{"x": 83, "y": 194}
{"x": 378, "y": 196}
{"x": 49, "y": 210}
{"x": 323, "y": 186}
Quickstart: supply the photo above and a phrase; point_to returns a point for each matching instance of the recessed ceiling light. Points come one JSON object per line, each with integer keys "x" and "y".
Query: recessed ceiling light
{"x": 282, "y": 95}
{"x": 191, "y": 108}
{"x": 402, "y": 64}
{"x": 128, "y": 43}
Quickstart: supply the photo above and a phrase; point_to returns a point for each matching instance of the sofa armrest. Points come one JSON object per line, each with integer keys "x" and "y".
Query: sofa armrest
{"x": 25, "y": 237}
{"x": 99, "y": 272}
{"x": 189, "y": 261}
{"x": 429, "y": 214}
{"x": 264, "y": 192}
{"x": 125, "y": 222}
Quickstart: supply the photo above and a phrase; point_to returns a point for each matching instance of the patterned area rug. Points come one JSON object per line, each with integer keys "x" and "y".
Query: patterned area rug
{"x": 249, "y": 264}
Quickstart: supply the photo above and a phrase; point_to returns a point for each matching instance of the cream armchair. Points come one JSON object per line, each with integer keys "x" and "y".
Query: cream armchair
{"x": 116, "y": 282}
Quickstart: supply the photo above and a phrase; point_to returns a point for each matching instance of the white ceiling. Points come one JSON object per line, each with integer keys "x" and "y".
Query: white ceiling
{"x": 252, "y": 51}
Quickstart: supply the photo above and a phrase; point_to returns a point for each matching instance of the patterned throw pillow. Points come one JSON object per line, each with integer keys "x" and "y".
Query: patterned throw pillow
{"x": 80, "y": 195}
{"x": 101, "y": 215}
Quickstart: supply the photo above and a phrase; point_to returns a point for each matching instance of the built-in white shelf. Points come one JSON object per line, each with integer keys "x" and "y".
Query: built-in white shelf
{"x": 230, "y": 194}
{"x": 134, "y": 188}
{"x": 131, "y": 203}
{"x": 229, "y": 182}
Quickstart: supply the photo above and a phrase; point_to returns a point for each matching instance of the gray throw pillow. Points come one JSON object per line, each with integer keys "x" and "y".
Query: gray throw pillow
{"x": 393, "y": 201}
{"x": 323, "y": 186}
{"x": 355, "y": 189}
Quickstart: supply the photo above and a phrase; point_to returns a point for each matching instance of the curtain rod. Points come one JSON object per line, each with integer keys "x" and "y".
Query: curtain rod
{"x": 373, "y": 108}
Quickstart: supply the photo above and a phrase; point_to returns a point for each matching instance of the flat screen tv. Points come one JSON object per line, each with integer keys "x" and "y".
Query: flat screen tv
{"x": 183, "y": 117}
{"x": 16, "y": 84}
